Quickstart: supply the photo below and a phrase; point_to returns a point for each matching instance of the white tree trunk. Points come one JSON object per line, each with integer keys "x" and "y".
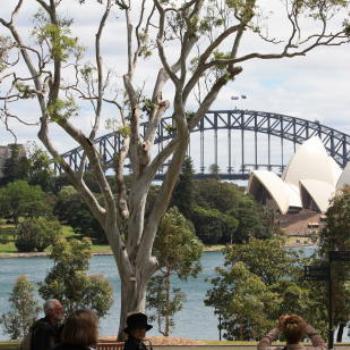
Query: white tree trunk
{"x": 133, "y": 299}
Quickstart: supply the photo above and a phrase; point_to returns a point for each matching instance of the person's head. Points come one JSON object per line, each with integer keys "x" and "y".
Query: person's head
{"x": 81, "y": 328}
{"x": 137, "y": 325}
{"x": 293, "y": 328}
{"x": 53, "y": 309}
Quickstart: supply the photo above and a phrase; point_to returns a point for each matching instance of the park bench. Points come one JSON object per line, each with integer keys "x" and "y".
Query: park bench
{"x": 110, "y": 345}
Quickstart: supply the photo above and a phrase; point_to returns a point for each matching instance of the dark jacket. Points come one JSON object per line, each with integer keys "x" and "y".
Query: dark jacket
{"x": 45, "y": 336}
{"x": 70, "y": 347}
{"x": 134, "y": 344}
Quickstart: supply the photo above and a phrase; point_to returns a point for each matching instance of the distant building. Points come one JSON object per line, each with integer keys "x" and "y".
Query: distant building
{"x": 6, "y": 152}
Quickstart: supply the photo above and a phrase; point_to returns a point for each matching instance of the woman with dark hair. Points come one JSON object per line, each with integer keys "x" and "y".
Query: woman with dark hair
{"x": 293, "y": 328}
{"x": 80, "y": 332}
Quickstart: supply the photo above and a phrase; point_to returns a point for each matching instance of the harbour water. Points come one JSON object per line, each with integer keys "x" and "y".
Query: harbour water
{"x": 196, "y": 320}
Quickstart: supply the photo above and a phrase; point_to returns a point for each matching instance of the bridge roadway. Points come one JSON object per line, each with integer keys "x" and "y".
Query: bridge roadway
{"x": 286, "y": 128}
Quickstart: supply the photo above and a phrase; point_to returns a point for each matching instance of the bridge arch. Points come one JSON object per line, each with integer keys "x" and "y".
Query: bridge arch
{"x": 292, "y": 129}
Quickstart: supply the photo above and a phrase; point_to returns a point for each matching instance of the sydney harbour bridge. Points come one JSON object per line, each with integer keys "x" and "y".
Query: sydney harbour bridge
{"x": 231, "y": 142}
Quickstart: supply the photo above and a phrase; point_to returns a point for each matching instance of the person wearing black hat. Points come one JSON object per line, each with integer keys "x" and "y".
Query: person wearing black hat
{"x": 136, "y": 329}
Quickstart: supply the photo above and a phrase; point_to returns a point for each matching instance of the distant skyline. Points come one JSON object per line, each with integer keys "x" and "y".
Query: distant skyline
{"x": 315, "y": 87}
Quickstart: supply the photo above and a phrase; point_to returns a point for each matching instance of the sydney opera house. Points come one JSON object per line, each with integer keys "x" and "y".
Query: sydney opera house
{"x": 309, "y": 181}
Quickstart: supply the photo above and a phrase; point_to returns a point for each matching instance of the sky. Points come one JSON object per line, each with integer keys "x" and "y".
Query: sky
{"x": 315, "y": 87}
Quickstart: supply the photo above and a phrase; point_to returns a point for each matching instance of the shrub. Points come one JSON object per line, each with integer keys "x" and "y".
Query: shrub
{"x": 36, "y": 234}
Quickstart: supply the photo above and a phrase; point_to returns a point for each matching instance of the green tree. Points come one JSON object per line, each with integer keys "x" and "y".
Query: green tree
{"x": 213, "y": 226}
{"x": 247, "y": 304}
{"x": 260, "y": 281}
{"x": 23, "y": 309}
{"x": 252, "y": 218}
{"x": 183, "y": 196}
{"x": 71, "y": 210}
{"x": 267, "y": 259}
{"x": 237, "y": 216}
{"x": 216, "y": 194}
{"x": 19, "y": 199}
{"x": 178, "y": 252}
{"x": 335, "y": 236}
{"x": 68, "y": 281}
{"x": 37, "y": 234}
{"x": 16, "y": 167}
{"x": 40, "y": 171}
{"x": 214, "y": 170}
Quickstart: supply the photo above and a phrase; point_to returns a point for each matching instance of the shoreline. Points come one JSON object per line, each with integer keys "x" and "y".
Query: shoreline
{"x": 216, "y": 248}
{"x": 39, "y": 255}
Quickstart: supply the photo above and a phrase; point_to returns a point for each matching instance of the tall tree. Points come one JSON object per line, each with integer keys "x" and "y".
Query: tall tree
{"x": 16, "y": 167}
{"x": 178, "y": 251}
{"x": 24, "y": 309}
{"x": 223, "y": 213}
{"x": 40, "y": 171}
{"x": 197, "y": 43}
{"x": 183, "y": 195}
{"x": 214, "y": 170}
{"x": 334, "y": 237}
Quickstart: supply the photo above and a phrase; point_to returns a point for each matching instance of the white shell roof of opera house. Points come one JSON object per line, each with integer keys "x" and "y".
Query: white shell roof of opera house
{"x": 310, "y": 169}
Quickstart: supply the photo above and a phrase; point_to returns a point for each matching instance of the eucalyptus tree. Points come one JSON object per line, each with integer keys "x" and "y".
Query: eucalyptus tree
{"x": 196, "y": 46}
{"x": 24, "y": 309}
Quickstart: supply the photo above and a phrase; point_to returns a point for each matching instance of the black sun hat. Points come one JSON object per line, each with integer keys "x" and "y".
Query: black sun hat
{"x": 137, "y": 321}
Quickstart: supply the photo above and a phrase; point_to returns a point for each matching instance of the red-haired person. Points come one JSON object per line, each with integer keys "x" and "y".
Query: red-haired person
{"x": 293, "y": 328}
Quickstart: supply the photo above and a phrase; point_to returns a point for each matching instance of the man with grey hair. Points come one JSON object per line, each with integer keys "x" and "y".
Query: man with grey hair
{"x": 46, "y": 331}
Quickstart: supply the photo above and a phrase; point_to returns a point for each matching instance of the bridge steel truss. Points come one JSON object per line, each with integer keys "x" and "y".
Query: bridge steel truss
{"x": 286, "y": 128}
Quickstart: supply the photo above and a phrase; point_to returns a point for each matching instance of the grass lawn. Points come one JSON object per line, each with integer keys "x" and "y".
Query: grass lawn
{"x": 68, "y": 232}
{"x": 101, "y": 248}
{"x": 293, "y": 241}
{"x": 214, "y": 248}
{"x": 8, "y": 247}
{"x": 8, "y": 345}
{"x": 7, "y": 238}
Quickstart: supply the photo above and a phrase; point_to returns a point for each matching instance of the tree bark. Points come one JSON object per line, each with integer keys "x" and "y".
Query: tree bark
{"x": 133, "y": 297}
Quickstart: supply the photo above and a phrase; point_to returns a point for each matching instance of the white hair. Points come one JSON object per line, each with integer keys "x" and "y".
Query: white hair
{"x": 49, "y": 305}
